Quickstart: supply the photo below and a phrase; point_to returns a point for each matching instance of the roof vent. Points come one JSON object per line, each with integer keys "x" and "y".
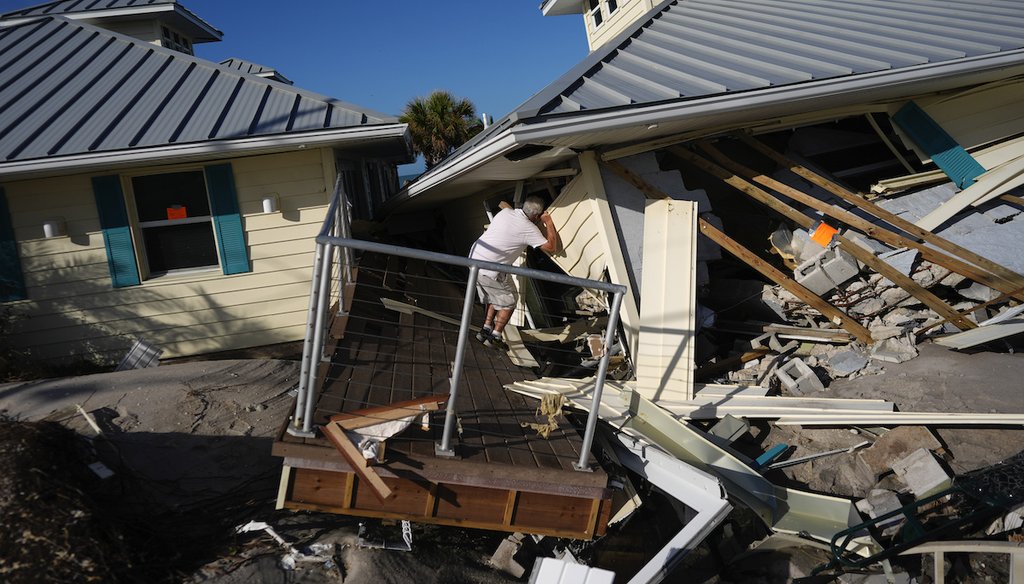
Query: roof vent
{"x": 527, "y": 150}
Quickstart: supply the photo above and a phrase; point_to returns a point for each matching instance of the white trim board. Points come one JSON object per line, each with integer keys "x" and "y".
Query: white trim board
{"x": 664, "y": 357}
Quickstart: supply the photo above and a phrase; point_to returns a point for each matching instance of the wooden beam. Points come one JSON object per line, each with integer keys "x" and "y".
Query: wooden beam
{"x": 863, "y": 255}
{"x": 510, "y": 508}
{"x": 751, "y": 259}
{"x": 373, "y": 416}
{"x": 367, "y": 475}
{"x": 729, "y": 364}
{"x": 773, "y": 274}
{"x": 868, "y": 228}
{"x": 1014, "y": 280}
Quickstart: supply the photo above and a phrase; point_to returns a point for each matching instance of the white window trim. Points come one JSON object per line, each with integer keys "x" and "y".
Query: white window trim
{"x": 139, "y": 241}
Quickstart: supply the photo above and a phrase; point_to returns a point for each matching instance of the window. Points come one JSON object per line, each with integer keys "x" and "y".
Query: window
{"x": 612, "y": 6}
{"x": 173, "y": 40}
{"x": 595, "y": 12}
{"x": 175, "y": 222}
{"x": 173, "y": 216}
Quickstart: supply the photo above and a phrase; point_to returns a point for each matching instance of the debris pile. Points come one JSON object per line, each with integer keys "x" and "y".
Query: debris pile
{"x": 54, "y": 531}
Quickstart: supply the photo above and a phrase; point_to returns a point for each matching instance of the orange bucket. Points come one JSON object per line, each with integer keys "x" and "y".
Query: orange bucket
{"x": 823, "y": 234}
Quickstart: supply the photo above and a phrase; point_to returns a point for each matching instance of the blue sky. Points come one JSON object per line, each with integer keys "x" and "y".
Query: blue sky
{"x": 380, "y": 55}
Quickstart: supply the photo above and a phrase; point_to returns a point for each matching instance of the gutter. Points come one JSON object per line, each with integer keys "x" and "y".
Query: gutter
{"x": 199, "y": 150}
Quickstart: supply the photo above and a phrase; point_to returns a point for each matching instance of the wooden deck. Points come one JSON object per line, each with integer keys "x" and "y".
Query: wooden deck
{"x": 504, "y": 477}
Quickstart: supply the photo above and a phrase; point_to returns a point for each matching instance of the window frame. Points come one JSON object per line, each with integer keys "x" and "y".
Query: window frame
{"x": 595, "y": 13}
{"x": 137, "y": 225}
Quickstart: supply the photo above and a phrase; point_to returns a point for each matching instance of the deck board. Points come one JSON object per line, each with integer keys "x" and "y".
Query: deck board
{"x": 386, "y": 356}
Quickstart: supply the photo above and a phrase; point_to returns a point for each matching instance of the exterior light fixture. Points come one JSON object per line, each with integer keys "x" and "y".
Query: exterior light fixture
{"x": 270, "y": 203}
{"x": 55, "y": 227}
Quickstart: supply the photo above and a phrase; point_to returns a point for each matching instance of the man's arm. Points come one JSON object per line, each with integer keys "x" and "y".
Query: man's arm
{"x": 554, "y": 242}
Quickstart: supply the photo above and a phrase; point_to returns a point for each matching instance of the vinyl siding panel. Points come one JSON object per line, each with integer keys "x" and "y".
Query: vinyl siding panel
{"x": 75, "y": 312}
{"x": 624, "y": 17}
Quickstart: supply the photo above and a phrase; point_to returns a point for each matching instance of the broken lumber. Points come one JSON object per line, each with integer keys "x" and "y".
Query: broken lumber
{"x": 367, "y": 475}
{"x": 774, "y": 274}
{"x": 752, "y": 259}
{"x": 372, "y": 416}
{"x": 1012, "y": 281}
{"x": 862, "y": 255}
{"x": 859, "y": 223}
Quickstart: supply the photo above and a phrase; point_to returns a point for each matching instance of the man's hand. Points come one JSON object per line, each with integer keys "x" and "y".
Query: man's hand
{"x": 554, "y": 243}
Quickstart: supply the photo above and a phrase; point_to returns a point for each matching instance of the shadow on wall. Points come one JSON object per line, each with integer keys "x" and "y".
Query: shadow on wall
{"x": 87, "y": 326}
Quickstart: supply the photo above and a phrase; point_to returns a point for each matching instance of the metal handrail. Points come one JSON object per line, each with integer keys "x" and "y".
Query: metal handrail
{"x": 336, "y": 233}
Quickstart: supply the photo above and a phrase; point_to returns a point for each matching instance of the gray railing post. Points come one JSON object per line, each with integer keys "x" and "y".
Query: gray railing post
{"x": 316, "y": 355}
{"x": 445, "y": 449}
{"x": 602, "y": 371}
{"x": 307, "y": 343}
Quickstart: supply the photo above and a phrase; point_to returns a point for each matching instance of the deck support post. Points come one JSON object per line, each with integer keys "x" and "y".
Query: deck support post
{"x": 602, "y": 371}
{"x": 445, "y": 448}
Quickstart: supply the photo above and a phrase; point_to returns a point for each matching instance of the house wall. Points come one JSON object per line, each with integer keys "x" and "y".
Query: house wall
{"x": 73, "y": 311}
{"x": 147, "y": 30}
{"x": 628, "y": 12}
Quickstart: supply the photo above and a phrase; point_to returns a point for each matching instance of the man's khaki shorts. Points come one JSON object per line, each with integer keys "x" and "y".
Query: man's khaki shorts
{"x": 499, "y": 292}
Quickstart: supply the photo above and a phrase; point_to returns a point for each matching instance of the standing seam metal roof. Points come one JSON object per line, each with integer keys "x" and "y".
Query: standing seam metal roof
{"x": 70, "y": 88}
{"x": 696, "y": 48}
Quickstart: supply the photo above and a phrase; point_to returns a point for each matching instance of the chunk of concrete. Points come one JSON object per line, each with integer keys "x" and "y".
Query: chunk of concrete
{"x": 901, "y": 259}
{"x": 827, "y": 270}
{"x": 847, "y": 362}
{"x": 894, "y": 350}
{"x": 879, "y": 502}
{"x": 922, "y": 473}
{"x": 896, "y": 444}
{"x": 798, "y": 378}
{"x": 509, "y": 557}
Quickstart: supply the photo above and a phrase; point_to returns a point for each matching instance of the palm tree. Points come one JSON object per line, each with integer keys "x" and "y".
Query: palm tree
{"x": 439, "y": 123}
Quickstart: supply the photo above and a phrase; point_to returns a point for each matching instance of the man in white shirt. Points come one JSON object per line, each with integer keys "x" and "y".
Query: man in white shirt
{"x": 506, "y": 238}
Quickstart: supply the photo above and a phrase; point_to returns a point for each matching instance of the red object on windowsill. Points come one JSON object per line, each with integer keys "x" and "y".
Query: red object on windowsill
{"x": 177, "y": 212}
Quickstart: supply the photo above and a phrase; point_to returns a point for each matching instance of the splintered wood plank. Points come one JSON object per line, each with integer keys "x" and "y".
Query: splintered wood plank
{"x": 371, "y": 416}
{"x": 863, "y": 255}
{"x": 336, "y": 434}
{"x": 751, "y": 259}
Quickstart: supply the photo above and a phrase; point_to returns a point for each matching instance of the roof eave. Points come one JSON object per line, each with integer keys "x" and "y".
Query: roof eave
{"x": 561, "y": 7}
{"x": 211, "y": 33}
{"x": 214, "y": 149}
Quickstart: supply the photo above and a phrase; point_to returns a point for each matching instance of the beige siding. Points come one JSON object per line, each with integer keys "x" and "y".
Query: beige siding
{"x": 146, "y": 30}
{"x": 73, "y": 311}
{"x": 629, "y": 11}
{"x": 976, "y": 117}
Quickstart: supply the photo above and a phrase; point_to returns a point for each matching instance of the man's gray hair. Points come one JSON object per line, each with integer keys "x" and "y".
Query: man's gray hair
{"x": 533, "y": 206}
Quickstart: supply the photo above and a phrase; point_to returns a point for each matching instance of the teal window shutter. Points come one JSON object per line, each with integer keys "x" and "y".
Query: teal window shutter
{"x": 950, "y": 157}
{"x": 12, "y": 283}
{"x": 227, "y": 220}
{"x": 117, "y": 233}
